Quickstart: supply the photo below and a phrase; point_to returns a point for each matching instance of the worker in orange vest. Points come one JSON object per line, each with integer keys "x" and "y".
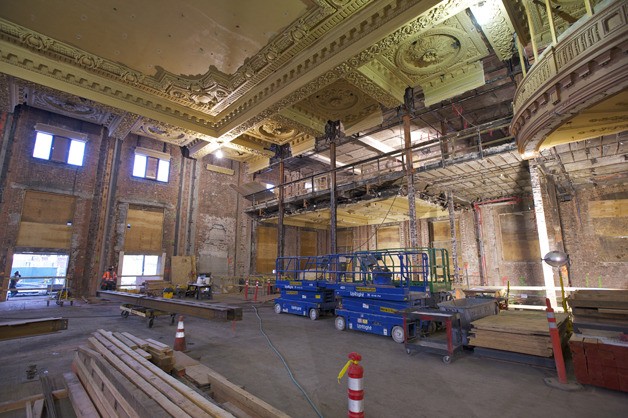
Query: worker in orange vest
{"x": 109, "y": 279}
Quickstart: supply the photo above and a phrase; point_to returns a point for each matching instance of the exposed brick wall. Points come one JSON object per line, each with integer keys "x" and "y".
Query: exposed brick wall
{"x": 598, "y": 257}
{"x": 23, "y": 172}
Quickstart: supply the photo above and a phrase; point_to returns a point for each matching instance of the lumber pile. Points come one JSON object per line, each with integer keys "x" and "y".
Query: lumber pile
{"x": 117, "y": 380}
{"x": 600, "y": 312}
{"x": 525, "y": 332}
{"x": 155, "y": 287}
{"x": 599, "y": 348}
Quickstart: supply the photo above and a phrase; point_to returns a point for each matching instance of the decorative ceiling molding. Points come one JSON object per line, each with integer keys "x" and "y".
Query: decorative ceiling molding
{"x": 498, "y": 29}
{"x": 453, "y": 83}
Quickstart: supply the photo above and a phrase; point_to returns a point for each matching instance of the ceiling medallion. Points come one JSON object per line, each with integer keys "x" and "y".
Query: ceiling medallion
{"x": 68, "y": 106}
{"x": 275, "y": 131}
{"x": 421, "y": 54}
{"x": 334, "y": 99}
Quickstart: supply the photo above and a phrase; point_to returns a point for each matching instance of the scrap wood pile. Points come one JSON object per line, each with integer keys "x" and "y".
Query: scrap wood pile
{"x": 525, "y": 332}
{"x": 121, "y": 375}
{"x": 599, "y": 347}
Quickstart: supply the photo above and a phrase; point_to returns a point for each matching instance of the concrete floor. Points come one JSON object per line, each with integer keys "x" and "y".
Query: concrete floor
{"x": 396, "y": 384}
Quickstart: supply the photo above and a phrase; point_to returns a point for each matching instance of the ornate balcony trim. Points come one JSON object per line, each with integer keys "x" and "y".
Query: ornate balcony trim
{"x": 588, "y": 64}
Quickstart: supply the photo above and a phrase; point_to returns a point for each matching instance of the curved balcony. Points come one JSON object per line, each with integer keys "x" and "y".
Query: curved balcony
{"x": 577, "y": 88}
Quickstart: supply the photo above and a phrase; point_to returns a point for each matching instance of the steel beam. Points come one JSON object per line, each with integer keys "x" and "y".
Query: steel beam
{"x": 210, "y": 311}
{"x": 28, "y": 327}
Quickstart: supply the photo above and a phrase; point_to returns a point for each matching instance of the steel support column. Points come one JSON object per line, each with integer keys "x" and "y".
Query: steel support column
{"x": 452, "y": 227}
{"x": 541, "y": 226}
{"x": 414, "y": 240}
{"x": 281, "y": 234}
{"x": 332, "y": 200}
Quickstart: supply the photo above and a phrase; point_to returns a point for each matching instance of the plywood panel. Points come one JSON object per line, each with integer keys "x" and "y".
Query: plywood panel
{"x": 344, "y": 240}
{"x": 388, "y": 238}
{"x": 608, "y": 208}
{"x": 146, "y": 231}
{"x": 308, "y": 242}
{"x": 39, "y": 235}
{"x": 182, "y": 270}
{"x": 266, "y": 249}
{"x": 47, "y": 208}
{"x": 519, "y": 238}
{"x": 440, "y": 237}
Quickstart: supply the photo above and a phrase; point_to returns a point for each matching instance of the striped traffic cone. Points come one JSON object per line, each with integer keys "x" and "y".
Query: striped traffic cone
{"x": 179, "y": 340}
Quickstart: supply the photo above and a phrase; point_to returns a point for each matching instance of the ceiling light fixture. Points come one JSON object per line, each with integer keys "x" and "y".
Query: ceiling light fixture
{"x": 219, "y": 153}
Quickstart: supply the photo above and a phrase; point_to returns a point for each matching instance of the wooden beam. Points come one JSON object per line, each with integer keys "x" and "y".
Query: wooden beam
{"x": 21, "y": 403}
{"x": 83, "y": 406}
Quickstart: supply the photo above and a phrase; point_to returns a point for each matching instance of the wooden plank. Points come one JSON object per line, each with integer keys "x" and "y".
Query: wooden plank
{"x": 82, "y": 404}
{"x": 608, "y": 208}
{"x": 182, "y": 396}
{"x": 518, "y": 322}
{"x": 125, "y": 340}
{"x": 90, "y": 385}
{"x": 226, "y": 391}
{"x": 140, "y": 342}
{"x": 119, "y": 402}
{"x": 38, "y": 408}
{"x": 139, "y": 401}
{"x": 138, "y": 374}
{"x": 21, "y": 403}
{"x": 129, "y": 356}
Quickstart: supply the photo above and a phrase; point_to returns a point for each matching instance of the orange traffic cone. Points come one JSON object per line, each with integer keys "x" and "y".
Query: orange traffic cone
{"x": 179, "y": 340}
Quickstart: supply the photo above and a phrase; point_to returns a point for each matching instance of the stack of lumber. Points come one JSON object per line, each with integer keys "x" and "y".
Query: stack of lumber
{"x": 155, "y": 287}
{"x": 600, "y": 312}
{"x": 118, "y": 381}
{"x": 600, "y": 361}
{"x": 525, "y": 332}
{"x": 231, "y": 397}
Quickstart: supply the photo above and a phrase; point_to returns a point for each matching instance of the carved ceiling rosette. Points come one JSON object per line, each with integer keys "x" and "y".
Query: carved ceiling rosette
{"x": 163, "y": 132}
{"x": 275, "y": 132}
{"x": 433, "y": 51}
{"x": 340, "y": 101}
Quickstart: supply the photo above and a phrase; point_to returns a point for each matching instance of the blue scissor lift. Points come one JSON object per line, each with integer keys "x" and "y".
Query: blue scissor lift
{"x": 305, "y": 286}
{"x": 376, "y": 286}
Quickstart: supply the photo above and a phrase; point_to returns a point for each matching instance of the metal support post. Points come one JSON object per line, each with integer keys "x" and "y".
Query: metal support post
{"x": 452, "y": 227}
{"x": 537, "y": 194}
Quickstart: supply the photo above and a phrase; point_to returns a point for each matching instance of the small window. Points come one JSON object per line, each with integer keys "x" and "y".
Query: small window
{"x": 59, "y": 148}
{"x": 149, "y": 167}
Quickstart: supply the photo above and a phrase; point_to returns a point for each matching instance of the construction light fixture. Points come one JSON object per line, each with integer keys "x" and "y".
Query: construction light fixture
{"x": 219, "y": 153}
{"x": 556, "y": 258}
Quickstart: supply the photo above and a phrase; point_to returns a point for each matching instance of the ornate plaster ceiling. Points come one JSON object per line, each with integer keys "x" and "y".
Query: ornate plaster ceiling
{"x": 243, "y": 75}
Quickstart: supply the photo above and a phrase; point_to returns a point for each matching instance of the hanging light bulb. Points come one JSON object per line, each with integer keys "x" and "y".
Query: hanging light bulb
{"x": 219, "y": 153}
